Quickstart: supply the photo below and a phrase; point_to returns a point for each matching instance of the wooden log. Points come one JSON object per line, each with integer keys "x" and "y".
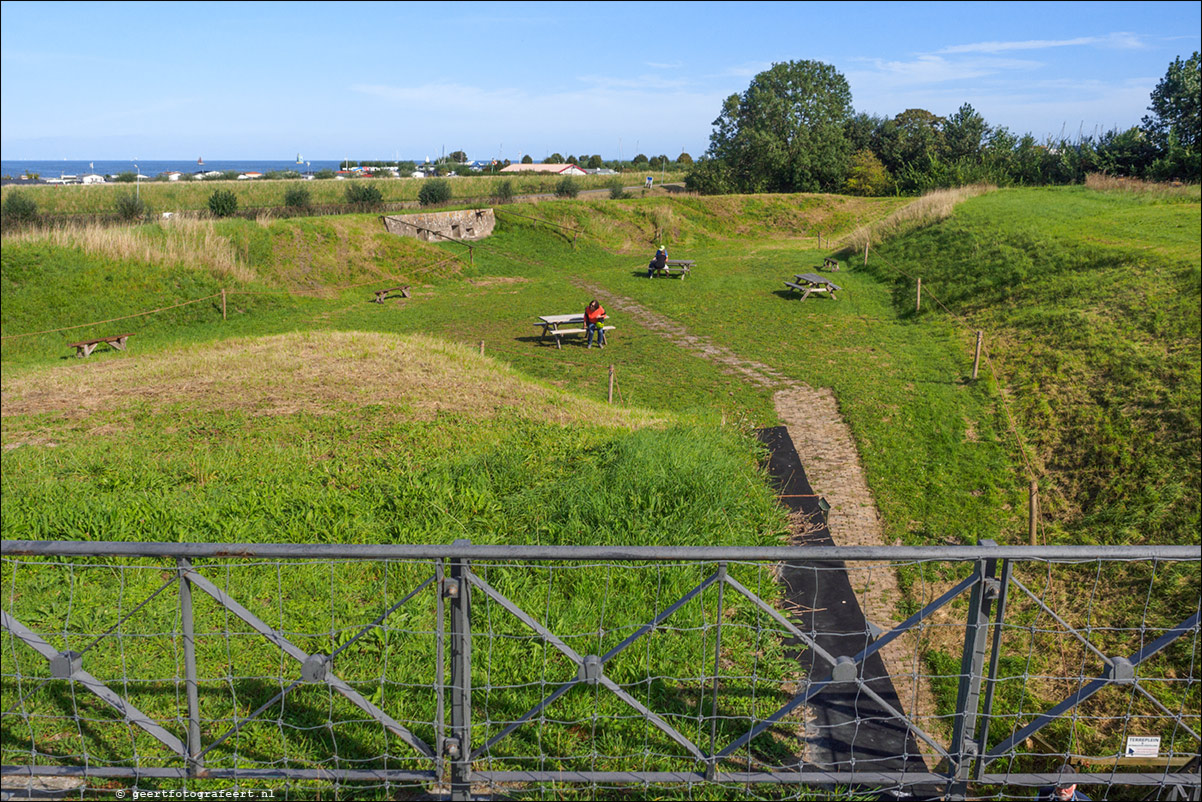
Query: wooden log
{"x": 223, "y": 303}
{"x": 611, "y": 384}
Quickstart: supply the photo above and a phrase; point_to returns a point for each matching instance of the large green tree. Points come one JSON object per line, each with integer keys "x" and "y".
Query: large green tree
{"x": 1175, "y": 106}
{"x": 784, "y": 134}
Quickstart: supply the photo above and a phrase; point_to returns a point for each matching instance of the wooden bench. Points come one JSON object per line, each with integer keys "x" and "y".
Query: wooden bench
{"x": 830, "y": 264}
{"x": 807, "y": 283}
{"x": 404, "y": 291}
{"x": 86, "y": 347}
{"x": 675, "y": 267}
{"x": 558, "y": 334}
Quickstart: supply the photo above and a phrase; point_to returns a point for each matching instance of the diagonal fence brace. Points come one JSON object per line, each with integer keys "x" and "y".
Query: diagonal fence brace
{"x": 580, "y": 662}
{"x": 298, "y": 654}
{"x": 1089, "y": 690}
{"x": 128, "y": 712}
{"x": 837, "y": 666}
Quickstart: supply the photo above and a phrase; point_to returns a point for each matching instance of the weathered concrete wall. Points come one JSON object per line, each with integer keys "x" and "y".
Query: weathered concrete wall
{"x": 464, "y": 224}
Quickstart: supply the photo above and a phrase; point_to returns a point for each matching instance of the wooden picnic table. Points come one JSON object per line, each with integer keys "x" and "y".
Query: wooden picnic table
{"x": 86, "y": 347}
{"x": 551, "y": 327}
{"x": 675, "y": 267}
{"x": 380, "y": 294}
{"x": 807, "y": 283}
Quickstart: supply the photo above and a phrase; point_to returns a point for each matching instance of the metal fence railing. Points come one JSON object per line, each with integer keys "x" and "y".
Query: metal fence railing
{"x": 462, "y": 668}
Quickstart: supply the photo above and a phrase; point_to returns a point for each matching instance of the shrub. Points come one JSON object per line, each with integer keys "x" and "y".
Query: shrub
{"x": 503, "y": 193}
{"x": 20, "y": 208}
{"x": 223, "y": 203}
{"x": 567, "y": 188}
{"x": 616, "y": 191}
{"x": 433, "y": 191}
{"x": 324, "y": 173}
{"x": 130, "y": 207}
{"x": 363, "y": 194}
{"x": 297, "y": 198}
{"x": 127, "y": 177}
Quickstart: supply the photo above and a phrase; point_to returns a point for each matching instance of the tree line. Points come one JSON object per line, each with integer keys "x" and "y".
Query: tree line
{"x": 794, "y": 130}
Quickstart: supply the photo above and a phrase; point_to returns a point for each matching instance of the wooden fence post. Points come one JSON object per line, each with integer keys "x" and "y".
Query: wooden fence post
{"x": 918, "y": 298}
{"x": 611, "y": 384}
{"x": 976, "y": 359}
{"x": 865, "y": 253}
{"x": 482, "y": 348}
{"x": 223, "y": 303}
{"x": 1033, "y": 510}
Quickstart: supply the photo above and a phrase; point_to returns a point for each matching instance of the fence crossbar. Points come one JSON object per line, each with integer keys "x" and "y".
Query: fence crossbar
{"x": 659, "y": 619}
{"x": 868, "y": 778}
{"x": 1089, "y": 690}
{"x": 127, "y": 710}
{"x": 298, "y": 654}
{"x": 380, "y": 619}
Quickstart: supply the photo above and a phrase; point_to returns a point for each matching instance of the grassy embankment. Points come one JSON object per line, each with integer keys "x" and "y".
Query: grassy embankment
{"x": 182, "y": 196}
{"x": 935, "y": 448}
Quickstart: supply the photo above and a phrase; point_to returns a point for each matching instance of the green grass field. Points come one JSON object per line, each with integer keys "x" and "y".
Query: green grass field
{"x": 179, "y": 196}
{"x": 313, "y": 415}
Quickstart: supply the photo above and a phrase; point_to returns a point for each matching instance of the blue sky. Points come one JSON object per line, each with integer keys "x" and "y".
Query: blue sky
{"x": 159, "y": 80}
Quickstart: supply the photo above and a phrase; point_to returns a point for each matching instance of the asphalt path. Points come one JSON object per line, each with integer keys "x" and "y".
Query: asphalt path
{"x": 849, "y": 729}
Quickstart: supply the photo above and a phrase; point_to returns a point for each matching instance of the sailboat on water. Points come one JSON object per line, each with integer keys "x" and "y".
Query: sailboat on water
{"x": 299, "y": 160}
{"x": 201, "y": 161}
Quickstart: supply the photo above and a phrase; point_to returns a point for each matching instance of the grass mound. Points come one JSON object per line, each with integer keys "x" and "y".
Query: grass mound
{"x": 1091, "y": 303}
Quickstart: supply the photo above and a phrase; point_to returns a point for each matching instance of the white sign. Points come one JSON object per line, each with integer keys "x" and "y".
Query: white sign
{"x": 1143, "y": 746}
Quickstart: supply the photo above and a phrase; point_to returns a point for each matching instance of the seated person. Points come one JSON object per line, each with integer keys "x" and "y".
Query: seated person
{"x": 659, "y": 262}
{"x": 594, "y": 314}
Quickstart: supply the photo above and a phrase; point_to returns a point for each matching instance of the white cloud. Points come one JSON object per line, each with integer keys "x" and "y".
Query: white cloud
{"x": 932, "y": 69}
{"x": 1119, "y": 41}
{"x": 674, "y": 66}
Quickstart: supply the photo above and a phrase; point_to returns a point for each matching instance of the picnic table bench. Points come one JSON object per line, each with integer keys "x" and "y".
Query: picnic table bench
{"x": 830, "y": 264}
{"x": 86, "y": 347}
{"x": 807, "y": 283}
{"x": 675, "y": 267}
{"x": 380, "y": 294}
{"x": 551, "y": 327}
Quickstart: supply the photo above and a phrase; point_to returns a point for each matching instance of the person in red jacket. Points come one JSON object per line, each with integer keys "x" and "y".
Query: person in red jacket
{"x": 593, "y": 315}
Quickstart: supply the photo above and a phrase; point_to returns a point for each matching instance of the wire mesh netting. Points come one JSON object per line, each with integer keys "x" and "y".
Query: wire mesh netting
{"x": 593, "y": 677}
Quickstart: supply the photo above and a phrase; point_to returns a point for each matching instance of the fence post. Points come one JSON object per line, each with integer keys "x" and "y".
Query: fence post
{"x": 918, "y": 297}
{"x": 458, "y": 748}
{"x": 223, "y": 303}
{"x": 964, "y": 745}
{"x": 976, "y": 359}
{"x": 712, "y": 766}
{"x": 866, "y": 252}
{"x": 995, "y": 654}
{"x": 611, "y": 384}
{"x": 195, "y": 763}
{"x": 1033, "y": 511}
{"x": 482, "y": 348}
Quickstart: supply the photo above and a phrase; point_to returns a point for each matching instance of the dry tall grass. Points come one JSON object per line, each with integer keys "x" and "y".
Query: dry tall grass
{"x": 930, "y": 208}
{"x": 188, "y": 242}
{"x": 1111, "y": 183}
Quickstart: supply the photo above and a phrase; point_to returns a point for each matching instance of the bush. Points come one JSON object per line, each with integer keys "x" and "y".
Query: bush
{"x": 433, "y": 191}
{"x": 223, "y": 203}
{"x": 324, "y": 173}
{"x": 127, "y": 177}
{"x": 503, "y": 192}
{"x": 567, "y": 188}
{"x": 616, "y": 190}
{"x": 297, "y": 198}
{"x": 130, "y": 207}
{"x": 20, "y": 208}
{"x": 363, "y": 194}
